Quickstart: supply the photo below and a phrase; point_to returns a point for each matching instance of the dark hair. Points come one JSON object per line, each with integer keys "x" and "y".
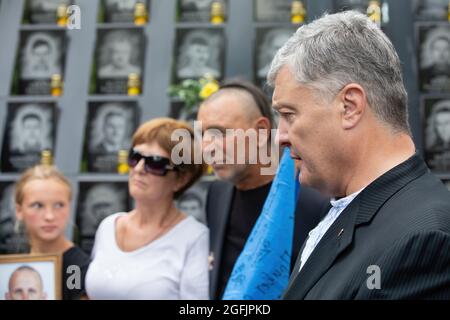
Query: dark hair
{"x": 41, "y": 43}
{"x": 259, "y": 97}
{"x": 31, "y": 116}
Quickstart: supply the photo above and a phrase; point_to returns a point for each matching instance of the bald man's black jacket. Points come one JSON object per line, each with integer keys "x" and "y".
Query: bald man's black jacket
{"x": 391, "y": 242}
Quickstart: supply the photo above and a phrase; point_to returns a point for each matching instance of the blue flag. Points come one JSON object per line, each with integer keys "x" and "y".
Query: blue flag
{"x": 262, "y": 270}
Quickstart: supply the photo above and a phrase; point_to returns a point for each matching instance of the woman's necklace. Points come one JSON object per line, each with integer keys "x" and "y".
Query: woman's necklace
{"x": 163, "y": 229}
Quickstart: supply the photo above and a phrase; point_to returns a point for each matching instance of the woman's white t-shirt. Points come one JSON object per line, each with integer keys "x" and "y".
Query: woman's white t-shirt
{"x": 174, "y": 266}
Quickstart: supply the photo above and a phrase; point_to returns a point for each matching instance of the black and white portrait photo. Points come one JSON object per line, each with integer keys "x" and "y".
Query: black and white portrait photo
{"x": 431, "y": 10}
{"x": 120, "y": 10}
{"x": 119, "y": 54}
{"x": 268, "y": 43}
{"x": 41, "y": 56}
{"x": 197, "y": 10}
{"x": 435, "y": 58}
{"x": 30, "y": 130}
{"x": 199, "y": 53}
{"x": 109, "y": 129}
{"x": 12, "y": 234}
{"x": 273, "y": 10}
{"x": 44, "y": 11}
{"x": 96, "y": 201}
{"x": 358, "y": 5}
{"x": 437, "y": 133}
{"x": 193, "y": 201}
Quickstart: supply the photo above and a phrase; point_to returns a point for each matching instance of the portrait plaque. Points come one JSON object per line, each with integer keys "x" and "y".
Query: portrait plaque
{"x": 119, "y": 54}
{"x": 41, "y": 56}
{"x": 436, "y": 115}
{"x": 109, "y": 128}
{"x": 96, "y": 201}
{"x": 30, "y": 129}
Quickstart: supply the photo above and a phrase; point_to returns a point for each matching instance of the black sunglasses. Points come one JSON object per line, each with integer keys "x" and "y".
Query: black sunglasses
{"x": 156, "y": 165}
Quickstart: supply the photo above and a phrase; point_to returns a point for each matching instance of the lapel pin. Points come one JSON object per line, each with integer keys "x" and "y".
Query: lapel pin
{"x": 340, "y": 232}
{"x": 211, "y": 261}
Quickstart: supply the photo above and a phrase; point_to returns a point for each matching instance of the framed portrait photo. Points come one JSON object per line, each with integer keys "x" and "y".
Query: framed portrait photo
{"x": 119, "y": 53}
{"x": 268, "y": 42}
{"x": 96, "y": 201}
{"x": 12, "y": 234}
{"x": 430, "y": 10}
{"x": 273, "y": 10}
{"x": 121, "y": 10}
{"x": 199, "y": 52}
{"x": 30, "y": 129}
{"x": 198, "y": 10}
{"x": 358, "y": 5}
{"x": 41, "y": 56}
{"x": 434, "y": 56}
{"x": 436, "y": 132}
{"x": 30, "y": 277}
{"x": 109, "y": 129}
{"x": 44, "y": 11}
{"x": 193, "y": 201}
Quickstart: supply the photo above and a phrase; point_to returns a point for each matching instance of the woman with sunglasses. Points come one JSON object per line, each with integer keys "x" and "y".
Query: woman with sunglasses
{"x": 154, "y": 251}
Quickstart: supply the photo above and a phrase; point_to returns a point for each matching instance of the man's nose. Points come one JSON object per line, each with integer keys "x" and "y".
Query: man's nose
{"x": 282, "y": 137}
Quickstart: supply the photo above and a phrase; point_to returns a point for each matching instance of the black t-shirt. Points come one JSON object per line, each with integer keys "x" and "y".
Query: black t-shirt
{"x": 245, "y": 210}
{"x": 74, "y": 256}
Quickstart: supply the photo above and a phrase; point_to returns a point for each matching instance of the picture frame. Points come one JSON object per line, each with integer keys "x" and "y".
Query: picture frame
{"x": 193, "y": 201}
{"x": 119, "y": 53}
{"x": 198, "y": 52}
{"x": 31, "y": 129}
{"x": 268, "y": 42}
{"x": 42, "y": 54}
{"x": 109, "y": 129}
{"x": 96, "y": 201}
{"x": 436, "y": 132}
{"x": 42, "y": 272}
{"x": 433, "y": 50}
{"x": 13, "y": 239}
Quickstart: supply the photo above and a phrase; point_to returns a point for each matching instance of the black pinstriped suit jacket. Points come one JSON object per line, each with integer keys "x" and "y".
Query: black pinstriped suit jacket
{"x": 400, "y": 223}
{"x": 218, "y": 206}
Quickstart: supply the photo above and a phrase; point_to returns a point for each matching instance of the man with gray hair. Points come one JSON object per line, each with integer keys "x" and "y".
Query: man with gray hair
{"x": 343, "y": 112}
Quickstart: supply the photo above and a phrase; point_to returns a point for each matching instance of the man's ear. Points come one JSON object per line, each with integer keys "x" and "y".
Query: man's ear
{"x": 353, "y": 99}
{"x": 262, "y": 125}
